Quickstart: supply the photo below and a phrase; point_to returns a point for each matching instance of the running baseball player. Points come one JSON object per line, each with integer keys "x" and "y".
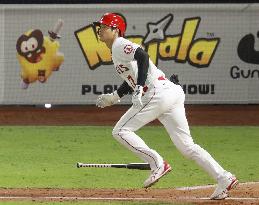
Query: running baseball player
{"x": 154, "y": 97}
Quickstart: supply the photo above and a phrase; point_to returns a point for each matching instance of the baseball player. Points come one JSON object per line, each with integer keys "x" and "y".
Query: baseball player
{"x": 154, "y": 97}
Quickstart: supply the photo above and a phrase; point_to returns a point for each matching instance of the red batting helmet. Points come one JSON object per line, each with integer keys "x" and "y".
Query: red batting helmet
{"x": 113, "y": 20}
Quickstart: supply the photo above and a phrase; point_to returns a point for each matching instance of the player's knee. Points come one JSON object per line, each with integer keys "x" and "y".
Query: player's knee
{"x": 117, "y": 132}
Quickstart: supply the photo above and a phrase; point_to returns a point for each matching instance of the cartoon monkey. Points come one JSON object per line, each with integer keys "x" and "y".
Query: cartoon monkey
{"x": 38, "y": 56}
{"x": 31, "y": 47}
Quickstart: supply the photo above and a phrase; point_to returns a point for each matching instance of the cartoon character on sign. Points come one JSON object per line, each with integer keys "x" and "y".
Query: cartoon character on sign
{"x": 39, "y": 55}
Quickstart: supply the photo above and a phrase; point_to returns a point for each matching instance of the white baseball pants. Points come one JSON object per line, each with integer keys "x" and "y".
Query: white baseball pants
{"x": 165, "y": 102}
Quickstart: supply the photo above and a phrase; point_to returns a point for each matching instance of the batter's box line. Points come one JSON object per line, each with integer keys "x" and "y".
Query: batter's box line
{"x": 69, "y": 198}
{"x": 234, "y": 198}
{"x": 114, "y": 198}
{"x": 209, "y": 186}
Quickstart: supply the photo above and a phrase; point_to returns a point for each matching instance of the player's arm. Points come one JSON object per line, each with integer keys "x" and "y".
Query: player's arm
{"x": 109, "y": 99}
{"x": 142, "y": 59}
{"x": 124, "y": 89}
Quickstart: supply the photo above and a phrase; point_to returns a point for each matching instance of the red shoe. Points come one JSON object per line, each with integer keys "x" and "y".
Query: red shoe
{"x": 157, "y": 174}
{"x": 221, "y": 191}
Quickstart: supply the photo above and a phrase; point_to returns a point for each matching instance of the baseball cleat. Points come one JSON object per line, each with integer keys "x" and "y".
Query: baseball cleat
{"x": 221, "y": 191}
{"x": 157, "y": 174}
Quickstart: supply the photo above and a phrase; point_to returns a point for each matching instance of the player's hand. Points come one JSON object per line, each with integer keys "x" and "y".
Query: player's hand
{"x": 136, "y": 97}
{"x": 109, "y": 99}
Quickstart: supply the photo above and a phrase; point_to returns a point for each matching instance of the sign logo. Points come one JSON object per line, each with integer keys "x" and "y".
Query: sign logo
{"x": 246, "y": 49}
{"x": 38, "y": 55}
{"x": 128, "y": 49}
{"x": 247, "y": 53}
{"x": 182, "y": 47}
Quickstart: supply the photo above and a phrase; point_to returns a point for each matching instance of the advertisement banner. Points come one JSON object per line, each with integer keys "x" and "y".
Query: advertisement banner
{"x": 52, "y": 54}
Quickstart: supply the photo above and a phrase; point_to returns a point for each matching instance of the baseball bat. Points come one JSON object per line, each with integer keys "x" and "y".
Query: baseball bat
{"x": 141, "y": 166}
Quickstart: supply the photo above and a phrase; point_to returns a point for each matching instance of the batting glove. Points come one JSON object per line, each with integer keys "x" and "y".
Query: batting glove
{"x": 136, "y": 97}
{"x": 109, "y": 99}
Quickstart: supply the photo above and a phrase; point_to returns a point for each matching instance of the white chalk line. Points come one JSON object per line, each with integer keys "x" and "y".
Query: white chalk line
{"x": 234, "y": 198}
{"x": 114, "y": 198}
{"x": 73, "y": 198}
{"x": 209, "y": 186}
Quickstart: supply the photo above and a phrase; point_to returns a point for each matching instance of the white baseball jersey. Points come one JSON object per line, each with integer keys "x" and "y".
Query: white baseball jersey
{"x": 126, "y": 66}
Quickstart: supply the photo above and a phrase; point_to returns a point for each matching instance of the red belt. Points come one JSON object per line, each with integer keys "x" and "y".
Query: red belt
{"x": 161, "y": 78}
{"x": 145, "y": 88}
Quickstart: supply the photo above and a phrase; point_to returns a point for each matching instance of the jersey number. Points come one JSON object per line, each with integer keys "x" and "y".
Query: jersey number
{"x": 131, "y": 80}
{"x": 121, "y": 68}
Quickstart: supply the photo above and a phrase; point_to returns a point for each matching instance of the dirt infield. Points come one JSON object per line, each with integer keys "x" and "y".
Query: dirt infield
{"x": 243, "y": 194}
{"x": 91, "y": 115}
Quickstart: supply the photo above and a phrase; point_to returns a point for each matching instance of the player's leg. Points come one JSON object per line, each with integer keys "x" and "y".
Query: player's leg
{"x": 134, "y": 119}
{"x": 124, "y": 132}
{"x": 176, "y": 125}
